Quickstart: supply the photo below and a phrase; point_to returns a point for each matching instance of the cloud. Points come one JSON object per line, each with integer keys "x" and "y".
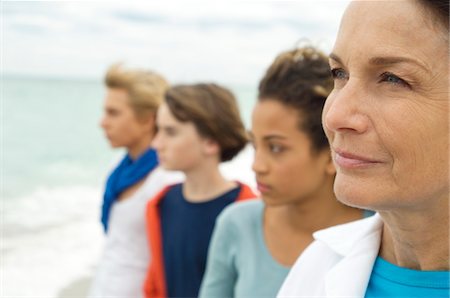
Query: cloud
{"x": 139, "y": 17}
{"x": 185, "y": 40}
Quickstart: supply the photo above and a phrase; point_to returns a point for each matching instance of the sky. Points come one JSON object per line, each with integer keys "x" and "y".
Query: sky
{"x": 187, "y": 41}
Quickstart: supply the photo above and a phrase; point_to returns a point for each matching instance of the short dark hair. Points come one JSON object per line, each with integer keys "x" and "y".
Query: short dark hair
{"x": 214, "y": 112}
{"x": 439, "y": 10}
{"x": 301, "y": 79}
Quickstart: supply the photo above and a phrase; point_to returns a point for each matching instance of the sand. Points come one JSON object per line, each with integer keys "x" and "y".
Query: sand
{"x": 77, "y": 289}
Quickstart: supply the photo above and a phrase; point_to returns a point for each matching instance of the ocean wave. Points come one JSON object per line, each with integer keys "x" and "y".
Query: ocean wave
{"x": 49, "y": 238}
{"x": 46, "y": 207}
{"x": 52, "y": 236}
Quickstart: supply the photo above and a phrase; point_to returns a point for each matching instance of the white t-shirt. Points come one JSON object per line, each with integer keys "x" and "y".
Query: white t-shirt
{"x": 122, "y": 268}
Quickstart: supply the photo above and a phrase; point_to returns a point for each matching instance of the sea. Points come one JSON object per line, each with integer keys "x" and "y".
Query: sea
{"x": 54, "y": 162}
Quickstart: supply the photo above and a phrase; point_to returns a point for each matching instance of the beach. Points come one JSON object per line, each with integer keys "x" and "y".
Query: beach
{"x": 54, "y": 156}
{"x": 51, "y": 236}
{"x": 238, "y": 169}
{"x": 49, "y": 242}
{"x": 55, "y": 245}
{"x": 78, "y": 288}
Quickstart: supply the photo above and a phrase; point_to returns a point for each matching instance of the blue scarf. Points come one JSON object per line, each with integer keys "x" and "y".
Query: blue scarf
{"x": 127, "y": 173}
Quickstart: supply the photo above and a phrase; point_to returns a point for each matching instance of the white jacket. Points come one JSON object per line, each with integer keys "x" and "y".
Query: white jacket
{"x": 338, "y": 263}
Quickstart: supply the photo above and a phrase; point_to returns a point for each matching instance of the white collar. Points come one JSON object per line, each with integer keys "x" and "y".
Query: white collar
{"x": 342, "y": 238}
{"x": 358, "y": 243}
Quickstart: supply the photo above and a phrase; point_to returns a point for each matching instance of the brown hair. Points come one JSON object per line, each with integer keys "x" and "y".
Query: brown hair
{"x": 214, "y": 112}
{"x": 145, "y": 88}
{"x": 301, "y": 79}
{"x": 438, "y": 10}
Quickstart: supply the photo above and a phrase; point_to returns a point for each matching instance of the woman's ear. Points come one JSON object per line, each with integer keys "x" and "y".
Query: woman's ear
{"x": 149, "y": 121}
{"x": 211, "y": 147}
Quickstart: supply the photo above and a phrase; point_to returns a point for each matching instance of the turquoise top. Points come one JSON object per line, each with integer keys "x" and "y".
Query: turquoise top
{"x": 239, "y": 263}
{"x": 389, "y": 280}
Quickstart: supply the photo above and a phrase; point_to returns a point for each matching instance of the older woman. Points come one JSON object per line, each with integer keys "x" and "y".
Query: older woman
{"x": 387, "y": 123}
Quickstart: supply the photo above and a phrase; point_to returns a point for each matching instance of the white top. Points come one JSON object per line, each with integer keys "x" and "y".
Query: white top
{"x": 122, "y": 268}
{"x": 338, "y": 263}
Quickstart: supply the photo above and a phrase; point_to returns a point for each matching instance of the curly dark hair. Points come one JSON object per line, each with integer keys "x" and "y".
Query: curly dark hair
{"x": 301, "y": 79}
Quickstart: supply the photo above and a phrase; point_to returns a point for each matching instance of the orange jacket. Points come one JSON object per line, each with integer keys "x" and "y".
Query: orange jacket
{"x": 155, "y": 283}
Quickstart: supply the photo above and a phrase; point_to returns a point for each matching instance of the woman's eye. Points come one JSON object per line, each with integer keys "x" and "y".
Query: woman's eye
{"x": 170, "y": 132}
{"x": 393, "y": 79}
{"x": 275, "y": 148}
{"x": 113, "y": 113}
{"x": 339, "y": 74}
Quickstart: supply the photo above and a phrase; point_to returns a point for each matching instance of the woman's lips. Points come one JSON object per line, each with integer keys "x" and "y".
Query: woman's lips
{"x": 348, "y": 160}
{"x": 262, "y": 188}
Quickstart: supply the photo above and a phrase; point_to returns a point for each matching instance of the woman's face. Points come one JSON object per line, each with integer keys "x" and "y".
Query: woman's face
{"x": 287, "y": 169}
{"x": 179, "y": 145}
{"x": 387, "y": 117}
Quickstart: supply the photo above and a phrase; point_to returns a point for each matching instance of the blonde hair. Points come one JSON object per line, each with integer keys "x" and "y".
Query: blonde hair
{"x": 145, "y": 88}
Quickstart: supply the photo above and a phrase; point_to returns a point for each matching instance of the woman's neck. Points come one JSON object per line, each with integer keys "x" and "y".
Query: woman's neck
{"x": 417, "y": 240}
{"x": 205, "y": 183}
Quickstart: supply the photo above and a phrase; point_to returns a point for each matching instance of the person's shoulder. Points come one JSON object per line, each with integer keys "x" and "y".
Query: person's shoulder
{"x": 237, "y": 218}
{"x": 165, "y": 177}
{"x": 242, "y": 211}
{"x": 245, "y": 192}
{"x": 158, "y": 180}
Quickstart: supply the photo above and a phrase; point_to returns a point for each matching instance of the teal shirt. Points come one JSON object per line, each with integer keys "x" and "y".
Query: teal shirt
{"x": 239, "y": 263}
{"x": 389, "y": 280}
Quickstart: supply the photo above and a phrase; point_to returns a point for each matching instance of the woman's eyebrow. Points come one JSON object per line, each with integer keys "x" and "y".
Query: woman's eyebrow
{"x": 386, "y": 60}
{"x": 390, "y": 60}
{"x": 335, "y": 57}
{"x": 274, "y": 137}
{"x": 268, "y": 137}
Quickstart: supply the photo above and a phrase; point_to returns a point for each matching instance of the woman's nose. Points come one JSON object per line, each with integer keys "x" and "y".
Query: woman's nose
{"x": 259, "y": 165}
{"x": 343, "y": 110}
{"x": 103, "y": 122}
{"x": 156, "y": 142}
